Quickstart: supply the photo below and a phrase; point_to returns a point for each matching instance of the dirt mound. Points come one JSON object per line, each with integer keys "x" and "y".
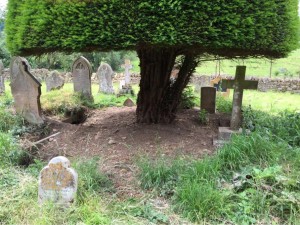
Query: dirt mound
{"x": 114, "y": 136}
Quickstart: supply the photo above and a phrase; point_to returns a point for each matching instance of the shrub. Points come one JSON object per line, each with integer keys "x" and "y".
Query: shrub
{"x": 188, "y": 98}
{"x": 223, "y": 104}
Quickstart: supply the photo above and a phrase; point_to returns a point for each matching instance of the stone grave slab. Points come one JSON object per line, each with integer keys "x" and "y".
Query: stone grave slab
{"x": 54, "y": 81}
{"x": 81, "y": 73}
{"x": 58, "y": 182}
{"x": 105, "y": 75}
{"x": 26, "y": 90}
{"x": 208, "y": 99}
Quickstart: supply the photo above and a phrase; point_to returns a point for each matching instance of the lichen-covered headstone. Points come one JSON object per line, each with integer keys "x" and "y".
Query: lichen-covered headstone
{"x": 58, "y": 182}
{"x": 81, "y": 73}
{"x": 2, "y": 84}
{"x": 26, "y": 90}
{"x": 54, "y": 81}
{"x": 105, "y": 75}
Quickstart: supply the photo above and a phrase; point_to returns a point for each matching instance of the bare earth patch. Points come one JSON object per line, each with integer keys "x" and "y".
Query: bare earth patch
{"x": 113, "y": 135}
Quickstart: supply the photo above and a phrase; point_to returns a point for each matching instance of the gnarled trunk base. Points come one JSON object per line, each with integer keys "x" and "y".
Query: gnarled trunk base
{"x": 158, "y": 98}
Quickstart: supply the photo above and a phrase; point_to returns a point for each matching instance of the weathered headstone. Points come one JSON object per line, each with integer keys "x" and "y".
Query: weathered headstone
{"x": 126, "y": 88}
{"x": 127, "y": 66}
{"x": 26, "y": 91}
{"x": 105, "y": 75}
{"x": 208, "y": 99}
{"x": 58, "y": 182}
{"x": 2, "y": 84}
{"x": 81, "y": 73}
{"x": 129, "y": 103}
{"x": 54, "y": 81}
{"x": 238, "y": 84}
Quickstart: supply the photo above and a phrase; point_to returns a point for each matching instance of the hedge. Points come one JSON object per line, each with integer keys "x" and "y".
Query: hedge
{"x": 229, "y": 28}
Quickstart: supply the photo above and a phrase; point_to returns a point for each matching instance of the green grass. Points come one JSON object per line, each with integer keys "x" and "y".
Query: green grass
{"x": 258, "y": 67}
{"x": 270, "y": 102}
{"x": 253, "y": 178}
{"x": 58, "y": 101}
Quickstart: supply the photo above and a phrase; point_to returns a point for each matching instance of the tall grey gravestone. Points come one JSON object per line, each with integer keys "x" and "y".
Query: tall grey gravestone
{"x": 238, "y": 84}
{"x": 2, "y": 84}
{"x": 81, "y": 73}
{"x": 105, "y": 75}
{"x": 26, "y": 90}
{"x": 208, "y": 99}
{"x": 58, "y": 182}
{"x": 54, "y": 81}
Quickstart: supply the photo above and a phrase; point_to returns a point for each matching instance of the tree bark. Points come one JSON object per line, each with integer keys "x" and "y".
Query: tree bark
{"x": 158, "y": 98}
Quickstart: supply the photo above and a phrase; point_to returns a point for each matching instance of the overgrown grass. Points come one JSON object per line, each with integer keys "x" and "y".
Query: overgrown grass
{"x": 19, "y": 205}
{"x": 252, "y": 179}
{"x": 61, "y": 101}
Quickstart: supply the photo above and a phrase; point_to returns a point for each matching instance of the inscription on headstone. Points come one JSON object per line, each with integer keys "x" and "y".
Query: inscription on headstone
{"x": 54, "y": 81}
{"x": 26, "y": 91}
{"x": 208, "y": 99}
{"x": 2, "y": 84}
{"x": 238, "y": 84}
{"x": 82, "y": 72}
{"x": 58, "y": 182}
{"x": 105, "y": 75}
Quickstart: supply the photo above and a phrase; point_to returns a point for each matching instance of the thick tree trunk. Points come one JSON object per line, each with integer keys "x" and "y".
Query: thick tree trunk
{"x": 158, "y": 99}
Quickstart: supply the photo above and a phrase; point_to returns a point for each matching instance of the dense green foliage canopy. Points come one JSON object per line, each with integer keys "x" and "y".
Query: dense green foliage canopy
{"x": 230, "y": 28}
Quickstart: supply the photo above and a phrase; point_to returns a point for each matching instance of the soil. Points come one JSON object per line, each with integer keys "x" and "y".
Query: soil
{"x": 113, "y": 135}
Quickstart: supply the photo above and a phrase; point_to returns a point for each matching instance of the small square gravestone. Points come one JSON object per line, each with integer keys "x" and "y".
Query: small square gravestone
{"x": 105, "y": 75}
{"x": 208, "y": 99}
{"x": 26, "y": 90}
{"x": 81, "y": 73}
{"x": 2, "y": 84}
{"x": 58, "y": 182}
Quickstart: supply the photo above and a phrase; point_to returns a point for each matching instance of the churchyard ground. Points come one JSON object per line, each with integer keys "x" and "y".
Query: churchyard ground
{"x": 155, "y": 174}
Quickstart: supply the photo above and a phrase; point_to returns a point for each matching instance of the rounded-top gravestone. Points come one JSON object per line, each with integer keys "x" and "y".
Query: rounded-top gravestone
{"x": 105, "y": 75}
{"x": 58, "y": 182}
{"x": 82, "y": 73}
{"x": 54, "y": 81}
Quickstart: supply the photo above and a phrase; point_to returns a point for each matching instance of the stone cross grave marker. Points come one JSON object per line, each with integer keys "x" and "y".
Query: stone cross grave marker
{"x": 26, "y": 90}
{"x": 238, "y": 84}
{"x": 81, "y": 73}
{"x": 127, "y": 66}
{"x": 2, "y": 84}
{"x": 58, "y": 182}
{"x": 105, "y": 75}
{"x": 54, "y": 81}
{"x": 208, "y": 99}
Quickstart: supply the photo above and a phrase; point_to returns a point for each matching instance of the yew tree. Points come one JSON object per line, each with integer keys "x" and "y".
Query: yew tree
{"x": 160, "y": 31}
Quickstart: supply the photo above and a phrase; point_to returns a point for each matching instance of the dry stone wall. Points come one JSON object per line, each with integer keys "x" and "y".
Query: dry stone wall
{"x": 264, "y": 84}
